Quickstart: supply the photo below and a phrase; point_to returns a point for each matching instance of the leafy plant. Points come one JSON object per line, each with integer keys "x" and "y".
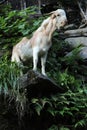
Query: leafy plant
{"x": 69, "y": 109}
{"x": 53, "y": 127}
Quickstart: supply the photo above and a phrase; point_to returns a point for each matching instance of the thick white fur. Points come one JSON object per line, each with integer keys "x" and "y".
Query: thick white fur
{"x": 40, "y": 42}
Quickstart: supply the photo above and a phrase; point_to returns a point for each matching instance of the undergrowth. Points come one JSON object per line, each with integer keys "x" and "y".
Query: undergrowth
{"x": 69, "y": 109}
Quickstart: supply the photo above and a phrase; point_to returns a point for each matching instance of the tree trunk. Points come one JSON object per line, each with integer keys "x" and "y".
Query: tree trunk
{"x": 83, "y": 12}
{"x": 39, "y": 6}
{"x": 23, "y": 4}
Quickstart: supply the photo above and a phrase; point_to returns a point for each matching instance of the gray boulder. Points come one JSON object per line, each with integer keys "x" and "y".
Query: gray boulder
{"x": 83, "y": 53}
{"x": 76, "y": 41}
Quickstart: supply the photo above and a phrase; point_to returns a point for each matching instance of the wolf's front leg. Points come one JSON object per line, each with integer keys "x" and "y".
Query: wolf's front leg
{"x": 35, "y": 58}
{"x": 43, "y": 62}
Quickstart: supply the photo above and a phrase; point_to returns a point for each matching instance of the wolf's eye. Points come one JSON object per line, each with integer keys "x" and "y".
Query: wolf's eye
{"x": 58, "y": 15}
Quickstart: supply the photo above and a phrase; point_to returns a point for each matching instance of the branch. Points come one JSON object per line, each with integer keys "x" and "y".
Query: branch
{"x": 83, "y": 14}
{"x": 2, "y": 2}
{"x": 76, "y": 32}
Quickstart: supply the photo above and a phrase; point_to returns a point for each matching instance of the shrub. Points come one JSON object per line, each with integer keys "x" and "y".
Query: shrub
{"x": 69, "y": 109}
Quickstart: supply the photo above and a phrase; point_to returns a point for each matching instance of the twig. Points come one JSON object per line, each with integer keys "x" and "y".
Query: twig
{"x": 83, "y": 14}
{"x": 2, "y": 2}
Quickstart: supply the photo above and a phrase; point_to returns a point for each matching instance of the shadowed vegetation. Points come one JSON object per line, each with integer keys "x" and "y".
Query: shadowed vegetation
{"x": 62, "y": 111}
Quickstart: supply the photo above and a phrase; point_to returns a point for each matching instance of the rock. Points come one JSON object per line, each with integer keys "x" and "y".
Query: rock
{"x": 16, "y": 114}
{"x": 83, "y": 53}
{"x": 76, "y": 41}
{"x": 38, "y": 85}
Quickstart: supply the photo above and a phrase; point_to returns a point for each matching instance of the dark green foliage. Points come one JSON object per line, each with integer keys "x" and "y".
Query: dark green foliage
{"x": 4, "y": 9}
{"x": 17, "y": 24}
{"x": 69, "y": 109}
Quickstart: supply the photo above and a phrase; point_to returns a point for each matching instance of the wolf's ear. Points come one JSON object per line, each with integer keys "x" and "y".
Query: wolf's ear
{"x": 50, "y": 13}
{"x": 53, "y": 16}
